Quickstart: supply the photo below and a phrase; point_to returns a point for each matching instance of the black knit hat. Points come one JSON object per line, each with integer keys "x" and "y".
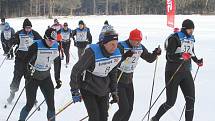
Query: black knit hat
{"x": 27, "y": 22}
{"x": 106, "y": 22}
{"x": 55, "y": 20}
{"x": 50, "y": 34}
{"x": 2, "y": 19}
{"x": 81, "y": 22}
{"x": 188, "y": 24}
{"x": 65, "y": 24}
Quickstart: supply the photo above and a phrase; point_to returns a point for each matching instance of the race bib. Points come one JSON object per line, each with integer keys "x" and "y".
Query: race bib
{"x": 65, "y": 36}
{"x": 81, "y": 36}
{"x": 25, "y": 42}
{"x": 187, "y": 46}
{"x": 7, "y": 35}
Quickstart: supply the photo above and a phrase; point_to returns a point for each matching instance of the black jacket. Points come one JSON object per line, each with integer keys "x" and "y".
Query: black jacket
{"x": 127, "y": 78}
{"x": 174, "y": 59}
{"x": 2, "y": 34}
{"x": 15, "y": 41}
{"x": 31, "y": 58}
{"x": 82, "y": 44}
{"x": 97, "y": 85}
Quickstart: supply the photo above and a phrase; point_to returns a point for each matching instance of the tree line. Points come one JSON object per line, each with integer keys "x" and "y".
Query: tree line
{"x": 19, "y": 8}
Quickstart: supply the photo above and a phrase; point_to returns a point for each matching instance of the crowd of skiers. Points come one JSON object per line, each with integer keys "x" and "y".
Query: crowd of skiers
{"x": 104, "y": 69}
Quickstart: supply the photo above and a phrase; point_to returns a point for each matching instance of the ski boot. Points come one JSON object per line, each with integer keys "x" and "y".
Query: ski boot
{"x": 11, "y": 97}
{"x": 154, "y": 119}
{"x": 67, "y": 64}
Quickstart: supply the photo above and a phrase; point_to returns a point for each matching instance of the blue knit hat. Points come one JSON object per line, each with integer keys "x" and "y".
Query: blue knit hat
{"x": 109, "y": 36}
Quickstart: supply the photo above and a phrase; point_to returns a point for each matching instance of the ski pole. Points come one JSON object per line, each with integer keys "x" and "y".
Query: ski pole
{"x": 120, "y": 75}
{"x": 185, "y": 104}
{"x": 163, "y": 90}
{"x": 35, "y": 109}
{"x": 15, "y": 103}
{"x": 84, "y": 118}
{"x": 38, "y": 108}
{"x": 17, "y": 100}
{"x": 3, "y": 61}
{"x": 152, "y": 87}
{"x": 6, "y": 56}
{"x": 61, "y": 110}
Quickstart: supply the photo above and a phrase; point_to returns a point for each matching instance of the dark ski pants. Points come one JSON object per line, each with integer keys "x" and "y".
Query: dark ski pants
{"x": 80, "y": 52}
{"x": 9, "y": 50}
{"x": 47, "y": 88}
{"x": 17, "y": 74}
{"x": 66, "y": 47}
{"x": 57, "y": 68}
{"x": 3, "y": 46}
{"x": 126, "y": 101}
{"x": 97, "y": 106}
{"x": 186, "y": 83}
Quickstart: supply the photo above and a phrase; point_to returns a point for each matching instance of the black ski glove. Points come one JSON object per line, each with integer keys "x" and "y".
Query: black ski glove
{"x": 115, "y": 98}
{"x": 157, "y": 51}
{"x": 75, "y": 43}
{"x": 28, "y": 74}
{"x": 129, "y": 53}
{"x": 59, "y": 83}
{"x": 200, "y": 62}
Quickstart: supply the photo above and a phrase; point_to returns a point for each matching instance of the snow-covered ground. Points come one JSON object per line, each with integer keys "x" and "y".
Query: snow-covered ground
{"x": 154, "y": 27}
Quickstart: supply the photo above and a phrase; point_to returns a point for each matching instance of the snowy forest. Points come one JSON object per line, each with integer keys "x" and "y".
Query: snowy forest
{"x": 19, "y": 8}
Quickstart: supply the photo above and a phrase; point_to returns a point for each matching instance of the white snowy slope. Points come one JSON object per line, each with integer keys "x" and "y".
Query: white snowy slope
{"x": 152, "y": 26}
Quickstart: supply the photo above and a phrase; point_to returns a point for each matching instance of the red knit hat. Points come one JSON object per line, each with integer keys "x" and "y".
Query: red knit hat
{"x": 135, "y": 35}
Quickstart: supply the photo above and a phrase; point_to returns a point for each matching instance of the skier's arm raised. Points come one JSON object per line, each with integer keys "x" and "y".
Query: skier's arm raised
{"x": 149, "y": 57}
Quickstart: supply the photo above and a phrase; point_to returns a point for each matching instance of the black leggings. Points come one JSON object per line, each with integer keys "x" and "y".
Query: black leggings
{"x": 17, "y": 74}
{"x": 9, "y": 50}
{"x": 66, "y": 47}
{"x": 47, "y": 88}
{"x": 97, "y": 106}
{"x": 80, "y": 52}
{"x": 126, "y": 101}
{"x": 185, "y": 81}
{"x": 57, "y": 68}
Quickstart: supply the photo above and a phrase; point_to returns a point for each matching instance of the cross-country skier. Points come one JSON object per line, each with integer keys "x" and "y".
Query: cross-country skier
{"x": 2, "y": 27}
{"x": 66, "y": 34}
{"x": 6, "y": 35}
{"x": 133, "y": 50}
{"x": 180, "y": 50}
{"x": 23, "y": 38}
{"x": 94, "y": 76}
{"x": 57, "y": 26}
{"x": 83, "y": 37}
{"x": 38, "y": 62}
